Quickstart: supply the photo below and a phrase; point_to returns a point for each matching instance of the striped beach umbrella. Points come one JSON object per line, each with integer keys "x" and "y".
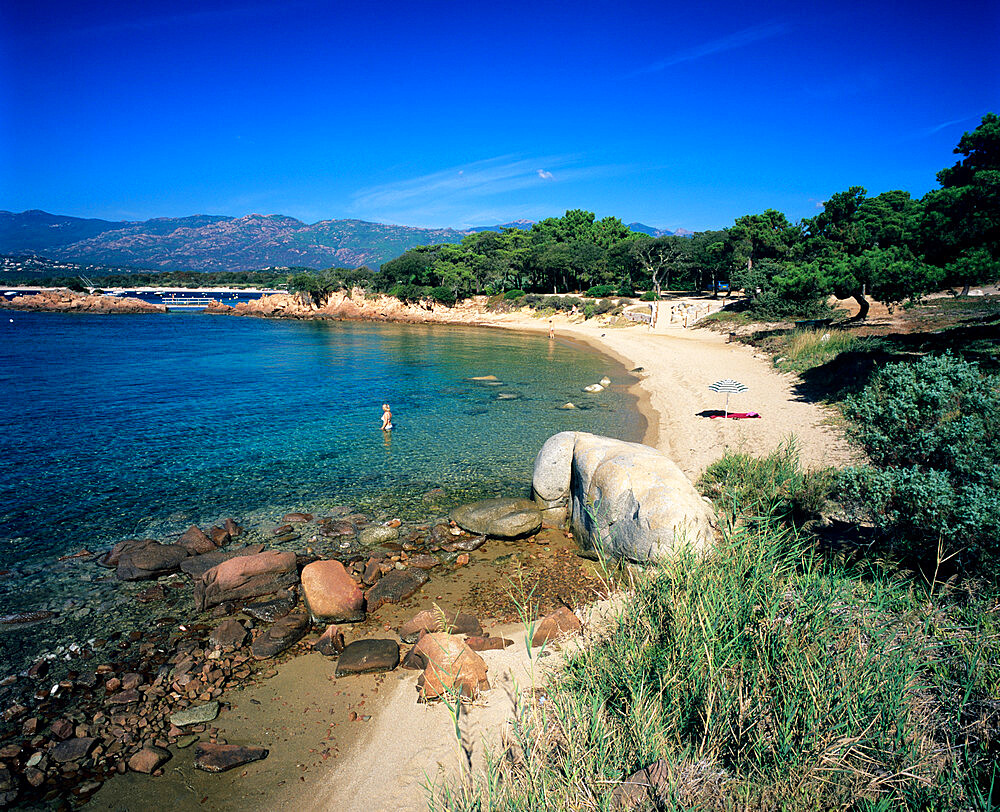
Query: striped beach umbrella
{"x": 729, "y": 386}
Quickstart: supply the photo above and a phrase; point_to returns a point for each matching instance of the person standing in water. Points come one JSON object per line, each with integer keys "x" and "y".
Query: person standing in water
{"x": 386, "y": 417}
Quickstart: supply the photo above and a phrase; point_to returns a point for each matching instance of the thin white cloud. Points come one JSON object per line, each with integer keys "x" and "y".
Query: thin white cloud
{"x": 456, "y": 195}
{"x": 739, "y": 39}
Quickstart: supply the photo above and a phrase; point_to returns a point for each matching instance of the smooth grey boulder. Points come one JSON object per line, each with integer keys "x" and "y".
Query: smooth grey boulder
{"x": 623, "y": 500}
{"x": 499, "y": 518}
{"x": 196, "y": 715}
{"x": 551, "y": 477}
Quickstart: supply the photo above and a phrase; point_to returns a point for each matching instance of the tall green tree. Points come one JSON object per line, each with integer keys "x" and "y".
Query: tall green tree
{"x": 961, "y": 220}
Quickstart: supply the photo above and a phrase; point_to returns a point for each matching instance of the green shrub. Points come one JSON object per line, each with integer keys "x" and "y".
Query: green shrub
{"x": 588, "y": 310}
{"x": 932, "y": 430}
{"x": 410, "y": 293}
{"x": 649, "y": 296}
{"x": 603, "y": 306}
{"x": 775, "y": 486}
{"x": 626, "y": 289}
{"x": 514, "y": 294}
{"x": 600, "y": 291}
{"x": 443, "y": 295}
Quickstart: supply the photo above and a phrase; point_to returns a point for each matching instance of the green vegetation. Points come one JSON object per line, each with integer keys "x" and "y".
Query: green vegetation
{"x": 932, "y": 431}
{"x": 767, "y": 674}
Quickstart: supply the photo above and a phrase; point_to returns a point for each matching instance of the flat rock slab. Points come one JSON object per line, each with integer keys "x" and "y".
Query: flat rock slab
{"x": 150, "y": 561}
{"x": 217, "y": 758}
{"x": 365, "y": 656}
{"x": 282, "y": 634}
{"x": 245, "y": 576}
{"x": 195, "y": 715}
{"x": 269, "y": 611}
{"x": 499, "y": 518}
{"x": 72, "y": 749}
{"x": 228, "y": 634}
{"x": 394, "y": 587}
{"x": 464, "y": 544}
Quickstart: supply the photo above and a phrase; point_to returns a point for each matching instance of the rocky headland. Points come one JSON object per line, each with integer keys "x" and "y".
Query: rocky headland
{"x": 66, "y": 301}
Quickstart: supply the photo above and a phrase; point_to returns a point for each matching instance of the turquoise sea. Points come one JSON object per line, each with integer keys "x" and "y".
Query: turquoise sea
{"x": 126, "y": 426}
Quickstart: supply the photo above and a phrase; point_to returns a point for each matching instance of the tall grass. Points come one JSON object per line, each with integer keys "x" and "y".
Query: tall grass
{"x": 805, "y": 349}
{"x": 763, "y": 676}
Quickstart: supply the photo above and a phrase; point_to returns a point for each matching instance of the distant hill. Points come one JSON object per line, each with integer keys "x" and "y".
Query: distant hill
{"x": 642, "y": 228}
{"x": 212, "y": 243}
{"x": 524, "y": 225}
{"x": 207, "y": 242}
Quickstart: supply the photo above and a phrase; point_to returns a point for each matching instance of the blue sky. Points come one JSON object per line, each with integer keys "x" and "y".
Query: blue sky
{"x": 457, "y": 114}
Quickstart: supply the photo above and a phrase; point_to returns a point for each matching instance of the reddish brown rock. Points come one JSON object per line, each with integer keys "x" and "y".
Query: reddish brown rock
{"x": 337, "y": 528}
{"x": 228, "y": 634}
{"x": 297, "y": 517}
{"x": 220, "y": 536}
{"x": 270, "y": 611}
{"x": 558, "y": 624}
{"x": 245, "y": 576}
{"x": 331, "y": 642}
{"x": 148, "y": 759}
{"x": 395, "y": 586}
{"x": 650, "y": 788}
{"x": 423, "y": 561}
{"x": 217, "y": 758}
{"x": 62, "y": 728}
{"x": 331, "y": 595}
{"x": 431, "y": 620}
{"x": 451, "y": 666}
{"x": 280, "y": 635}
{"x": 72, "y": 749}
{"x": 196, "y": 542}
{"x": 198, "y": 565}
{"x": 234, "y": 529}
{"x": 461, "y": 560}
{"x": 488, "y": 643}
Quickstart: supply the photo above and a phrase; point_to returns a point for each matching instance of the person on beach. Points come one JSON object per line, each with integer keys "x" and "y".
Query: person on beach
{"x": 552, "y": 331}
{"x": 386, "y": 418}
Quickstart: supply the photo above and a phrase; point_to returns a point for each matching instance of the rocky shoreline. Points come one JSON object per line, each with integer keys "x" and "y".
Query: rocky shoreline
{"x": 230, "y": 614}
{"x": 67, "y": 301}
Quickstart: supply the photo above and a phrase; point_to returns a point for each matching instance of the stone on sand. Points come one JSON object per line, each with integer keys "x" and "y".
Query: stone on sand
{"x": 552, "y": 627}
{"x": 217, "y": 758}
{"x": 331, "y": 594}
{"x": 281, "y": 634}
{"x": 450, "y": 666}
{"x": 394, "y": 587}
{"x": 365, "y": 656}
{"x": 431, "y": 620}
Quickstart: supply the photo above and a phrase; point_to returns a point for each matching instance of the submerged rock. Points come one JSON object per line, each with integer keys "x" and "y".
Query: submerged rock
{"x": 196, "y": 542}
{"x": 217, "y": 758}
{"x": 371, "y": 536}
{"x": 148, "y": 759}
{"x": 499, "y": 518}
{"x": 269, "y": 611}
{"x": 150, "y": 561}
{"x": 228, "y": 634}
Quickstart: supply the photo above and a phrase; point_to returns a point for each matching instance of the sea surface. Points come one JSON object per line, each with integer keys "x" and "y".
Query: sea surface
{"x": 139, "y": 426}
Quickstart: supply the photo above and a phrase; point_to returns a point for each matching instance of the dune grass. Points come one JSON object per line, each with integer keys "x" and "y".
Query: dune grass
{"x": 765, "y": 676}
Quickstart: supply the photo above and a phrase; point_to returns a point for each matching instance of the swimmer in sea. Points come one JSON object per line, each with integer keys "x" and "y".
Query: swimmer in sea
{"x": 386, "y": 418}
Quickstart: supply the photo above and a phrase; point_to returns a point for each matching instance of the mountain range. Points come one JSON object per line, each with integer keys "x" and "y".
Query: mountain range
{"x": 207, "y": 242}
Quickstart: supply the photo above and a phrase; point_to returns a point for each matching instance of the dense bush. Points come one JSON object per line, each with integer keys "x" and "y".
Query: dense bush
{"x": 443, "y": 295}
{"x": 649, "y": 296}
{"x": 514, "y": 294}
{"x": 932, "y": 430}
{"x": 410, "y": 293}
{"x": 626, "y": 289}
{"x": 600, "y": 291}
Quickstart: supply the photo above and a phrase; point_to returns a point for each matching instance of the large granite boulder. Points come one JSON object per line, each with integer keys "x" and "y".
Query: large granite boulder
{"x": 499, "y": 518}
{"x": 332, "y": 595}
{"x": 623, "y": 500}
{"x": 197, "y": 565}
{"x": 245, "y": 576}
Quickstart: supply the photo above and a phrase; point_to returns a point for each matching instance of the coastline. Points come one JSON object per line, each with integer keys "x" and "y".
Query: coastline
{"x": 372, "y": 757}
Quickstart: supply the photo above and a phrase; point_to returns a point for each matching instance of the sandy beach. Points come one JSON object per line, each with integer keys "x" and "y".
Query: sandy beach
{"x": 319, "y": 762}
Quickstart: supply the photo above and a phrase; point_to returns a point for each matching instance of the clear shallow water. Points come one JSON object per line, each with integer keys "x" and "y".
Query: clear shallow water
{"x": 119, "y": 426}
